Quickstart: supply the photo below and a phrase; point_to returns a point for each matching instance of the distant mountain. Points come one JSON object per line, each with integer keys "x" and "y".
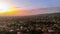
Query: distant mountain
{"x": 51, "y": 11}
{"x": 50, "y": 14}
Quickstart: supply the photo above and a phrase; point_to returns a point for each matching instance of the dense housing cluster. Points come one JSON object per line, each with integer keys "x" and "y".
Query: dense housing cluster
{"x": 43, "y": 24}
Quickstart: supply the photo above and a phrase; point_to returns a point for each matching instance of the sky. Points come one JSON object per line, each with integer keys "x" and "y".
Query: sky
{"x": 31, "y": 4}
{"x": 36, "y": 3}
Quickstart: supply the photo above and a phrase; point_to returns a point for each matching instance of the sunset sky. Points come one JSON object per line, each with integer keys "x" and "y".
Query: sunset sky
{"x": 24, "y": 7}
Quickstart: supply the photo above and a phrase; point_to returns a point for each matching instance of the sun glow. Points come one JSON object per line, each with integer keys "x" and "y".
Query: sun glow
{"x": 6, "y": 9}
{"x": 3, "y": 8}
